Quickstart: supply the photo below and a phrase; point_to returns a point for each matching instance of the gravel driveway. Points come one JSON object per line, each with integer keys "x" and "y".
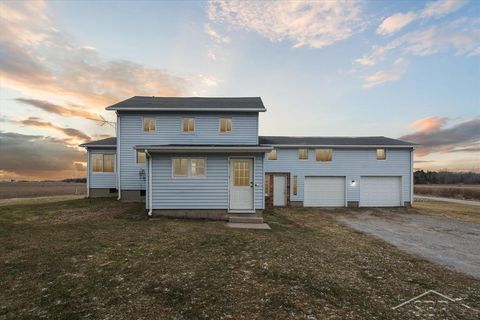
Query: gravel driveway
{"x": 452, "y": 243}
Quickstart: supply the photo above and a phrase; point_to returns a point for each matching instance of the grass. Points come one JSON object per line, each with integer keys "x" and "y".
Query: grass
{"x": 91, "y": 259}
{"x": 458, "y": 191}
{"x": 449, "y": 210}
{"x": 30, "y": 189}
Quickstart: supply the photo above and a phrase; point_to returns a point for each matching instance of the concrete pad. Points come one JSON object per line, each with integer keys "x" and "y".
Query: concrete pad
{"x": 259, "y": 226}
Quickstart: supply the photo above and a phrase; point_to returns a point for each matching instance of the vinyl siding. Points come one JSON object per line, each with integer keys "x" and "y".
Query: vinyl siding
{"x": 352, "y": 163}
{"x": 168, "y": 131}
{"x": 101, "y": 179}
{"x": 210, "y": 192}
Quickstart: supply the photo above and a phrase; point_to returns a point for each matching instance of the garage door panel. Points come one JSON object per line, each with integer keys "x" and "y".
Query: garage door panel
{"x": 380, "y": 191}
{"x": 324, "y": 192}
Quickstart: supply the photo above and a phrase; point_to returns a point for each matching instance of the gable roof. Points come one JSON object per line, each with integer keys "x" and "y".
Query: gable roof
{"x": 245, "y": 104}
{"x": 108, "y": 143}
{"x": 334, "y": 141}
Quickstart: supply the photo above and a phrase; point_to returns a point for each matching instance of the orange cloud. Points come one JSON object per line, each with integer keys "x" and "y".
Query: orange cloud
{"x": 73, "y": 111}
{"x": 429, "y": 124}
{"x": 76, "y": 135}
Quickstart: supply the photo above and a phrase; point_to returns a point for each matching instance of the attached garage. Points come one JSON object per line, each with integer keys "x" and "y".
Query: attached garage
{"x": 324, "y": 192}
{"x": 380, "y": 191}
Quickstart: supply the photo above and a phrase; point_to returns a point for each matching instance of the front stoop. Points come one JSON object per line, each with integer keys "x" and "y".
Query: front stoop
{"x": 259, "y": 226}
{"x": 247, "y": 221}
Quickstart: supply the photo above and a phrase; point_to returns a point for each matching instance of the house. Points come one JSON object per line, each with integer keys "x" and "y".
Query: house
{"x": 203, "y": 157}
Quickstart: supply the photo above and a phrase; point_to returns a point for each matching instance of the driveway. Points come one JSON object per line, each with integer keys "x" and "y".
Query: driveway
{"x": 449, "y": 242}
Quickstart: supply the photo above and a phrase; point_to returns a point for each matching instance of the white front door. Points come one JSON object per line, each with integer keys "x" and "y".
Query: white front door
{"x": 241, "y": 184}
{"x": 279, "y": 190}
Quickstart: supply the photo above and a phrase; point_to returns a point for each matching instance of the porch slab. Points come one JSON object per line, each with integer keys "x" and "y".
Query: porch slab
{"x": 258, "y": 226}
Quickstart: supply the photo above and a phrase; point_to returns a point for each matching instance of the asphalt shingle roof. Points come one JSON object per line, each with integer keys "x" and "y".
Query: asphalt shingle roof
{"x": 333, "y": 141}
{"x": 111, "y": 142}
{"x": 190, "y": 103}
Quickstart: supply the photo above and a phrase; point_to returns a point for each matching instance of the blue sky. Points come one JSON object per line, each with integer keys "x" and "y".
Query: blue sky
{"x": 403, "y": 69}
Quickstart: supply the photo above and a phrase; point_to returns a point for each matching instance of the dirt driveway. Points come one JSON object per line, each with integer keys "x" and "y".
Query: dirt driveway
{"x": 449, "y": 242}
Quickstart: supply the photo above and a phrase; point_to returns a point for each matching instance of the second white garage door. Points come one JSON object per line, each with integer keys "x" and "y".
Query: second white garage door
{"x": 380, "y": 191}
{"x": 324, "y": 192}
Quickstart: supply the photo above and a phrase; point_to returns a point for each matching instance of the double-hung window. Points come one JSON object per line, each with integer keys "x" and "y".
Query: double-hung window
{"x": 140, "y": 156}
{"x": 272, "y": 155}
{"x": 188, "y": 125}
{"x": 225, "y": 125}
{"x": 381, "y": 154}
{"x": 324, "y": 155}
{"x": 103, "y": 162}
{"x": 149, "y": 124}
{"x": 188, "y": 167}
{"x": 303, "y": 154}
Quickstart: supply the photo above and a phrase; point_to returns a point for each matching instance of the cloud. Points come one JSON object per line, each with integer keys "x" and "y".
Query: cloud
{"x": 40, "y": 59}
{"x": 399, "y": 67}
{"x": 218, "y": 38}
{"x": 441, "y": 8}
{"x": 74, "y": 134}
{"x": 437, "y": 138}
{"x": 211, "y": 54}
{"x": 315, "y": 24}
{"x": 209, "y": 81}
{"x": 429, "y": 124}
{"x": 41, "y": 157}
{"x": 72, "y": 111}
{"x": 395, "y": 22}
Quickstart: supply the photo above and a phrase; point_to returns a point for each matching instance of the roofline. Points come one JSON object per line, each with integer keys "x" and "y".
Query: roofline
{"x": 98, "y": 146}
{"x": 197, "y": 149}
{"x": 342, "y": 145}
{"x": 188, "y": 109}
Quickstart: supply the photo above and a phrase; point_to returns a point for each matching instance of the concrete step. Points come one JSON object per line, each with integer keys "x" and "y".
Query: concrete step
{"x": 257, "y": 226}
{"x": 245, "y": 219}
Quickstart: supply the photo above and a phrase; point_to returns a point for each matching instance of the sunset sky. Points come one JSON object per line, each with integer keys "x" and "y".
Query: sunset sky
{"x": 402, "y": 69}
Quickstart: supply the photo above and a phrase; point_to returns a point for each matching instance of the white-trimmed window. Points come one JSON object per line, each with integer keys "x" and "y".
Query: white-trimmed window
{"x": 381, "y": 154}
{"x": 324, "y": 155}
{"x": 188, "y": 167}
{"x": 140, "y": 156}
{"x": 188, "y": 125}
{"x": 303, "y": 154}
{"x": 149, "y": 124}
{"x": 103, "y": 162}
{"x": 225, "y": 125}
{"x": 272, "y": 155}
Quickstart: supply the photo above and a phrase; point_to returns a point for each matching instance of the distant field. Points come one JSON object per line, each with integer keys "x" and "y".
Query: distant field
{"x": 39, "y": 189}
{"x": 458, "y": 191}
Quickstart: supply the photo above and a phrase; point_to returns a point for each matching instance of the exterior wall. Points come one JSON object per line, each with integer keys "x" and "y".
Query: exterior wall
{"x": 352, "y": 163}
{"x": 168, "y": 131}
{"x": 99, "y": 180}
{"x": 211, "y": 192}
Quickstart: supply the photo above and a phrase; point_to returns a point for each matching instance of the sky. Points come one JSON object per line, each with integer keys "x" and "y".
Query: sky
{"x": 401, "y": 69}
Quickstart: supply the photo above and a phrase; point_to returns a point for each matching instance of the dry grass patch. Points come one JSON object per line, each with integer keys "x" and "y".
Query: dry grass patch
{"x": 458, "y": 191}
{"x": 449, "y": 210}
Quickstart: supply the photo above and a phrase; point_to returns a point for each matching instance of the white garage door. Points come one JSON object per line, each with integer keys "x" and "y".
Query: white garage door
{"x": 324, "y": 192}
{"x": 380, "y": 192}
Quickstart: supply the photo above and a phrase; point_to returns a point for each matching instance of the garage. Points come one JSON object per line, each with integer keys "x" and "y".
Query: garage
{"x": 324, "y": 192}
{"x": 380, "y": 192}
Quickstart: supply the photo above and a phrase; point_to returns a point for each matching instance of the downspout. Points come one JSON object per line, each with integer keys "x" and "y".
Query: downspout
{"x": 150, "y": 202}
{"x": 118, "y": 158}
{"x": 412, "y": 186}
{"x": 88, "y": 173}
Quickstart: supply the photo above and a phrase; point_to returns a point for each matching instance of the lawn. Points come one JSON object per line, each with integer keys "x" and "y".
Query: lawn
{"x": 458, "y": 191}
{"x": 102, "y": 259}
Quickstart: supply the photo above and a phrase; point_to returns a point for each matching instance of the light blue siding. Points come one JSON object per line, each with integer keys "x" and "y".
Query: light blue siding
{"x": 352, "y": 163}
{"x": 101, "y": 179}
{"x": 210, "y": 192}
{"x": 168, "y": 131}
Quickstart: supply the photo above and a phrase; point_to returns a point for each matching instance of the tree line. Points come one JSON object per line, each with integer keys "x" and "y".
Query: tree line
{"x": 446, "y": 177}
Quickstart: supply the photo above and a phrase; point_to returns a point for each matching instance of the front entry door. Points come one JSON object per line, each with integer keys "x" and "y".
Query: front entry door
{"x": 279, "y": 190}
{"x": 241, "y": 184}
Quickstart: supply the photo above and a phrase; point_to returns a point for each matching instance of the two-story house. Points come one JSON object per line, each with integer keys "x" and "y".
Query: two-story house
{"x": 203, "y": 157}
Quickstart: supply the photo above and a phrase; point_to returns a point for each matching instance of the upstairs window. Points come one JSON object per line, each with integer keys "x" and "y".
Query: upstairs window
{"x": 303, "y": 154}
{"x": 381, "y": 154}
{"x": 103, "y": 162}
{"x": 186, "y": 167}
{"x": 225, "y": 125}
{"x": 272, "y": 155}
{"x": 149, "y": 124}
{"x": 323, "y": 155}
{"x": 188, "y": 125}
{"x": 140, "y": 157}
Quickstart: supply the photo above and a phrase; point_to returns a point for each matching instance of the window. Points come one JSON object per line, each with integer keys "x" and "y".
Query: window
{"x": 188, "y": 125}
{"x": 272, "y": 155}
{"x": 241, "y": 176}
{"x": 267, "y": 184}
{"x": 323, "y": 154}
{"x": 148, "y": 124}
{"x": 303, "y": 154}
{"x": 103, "y": 162}
{"x": 225, "y": 125}
{"x": 295, "y": 183}
{"x": 184, "y": 167}
{"x": 381, "y": 154}
{"x": 140, "y": 157}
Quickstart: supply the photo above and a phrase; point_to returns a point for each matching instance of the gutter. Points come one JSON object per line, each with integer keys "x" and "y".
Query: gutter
{"x": 190, "y": 109}
{"x": 338, "y": 146}
{"x": 150, "y": 202}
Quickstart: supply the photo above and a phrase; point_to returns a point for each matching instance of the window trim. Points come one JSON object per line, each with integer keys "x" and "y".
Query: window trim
{"x": 103, "y": 163}
{"x": 154, "y": 121}
{"x": 276, "y": 154}
{"x": 316, "y": 158}
{"x": 220, "y": 125}
{"x": 136, "y": 157}
{"x": 189, "y": 168}
{"x": 194, "y": 125}
{"x": 384, "y": 152}
{"x": 299, "y": 154}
